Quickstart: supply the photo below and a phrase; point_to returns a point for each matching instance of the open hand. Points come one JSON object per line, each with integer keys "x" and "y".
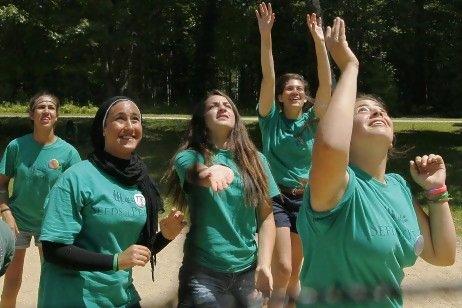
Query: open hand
{"x": 264, "y": 281}
{"x": 11, "y": 222}
{"x": 428, "y": 171}
{"x": 218, "y": 176}
{"x": 172, "y": 225}
{"x": 315, "y": 26}
{"x": 337, "y": 45}
{"x": 265, "y": 17}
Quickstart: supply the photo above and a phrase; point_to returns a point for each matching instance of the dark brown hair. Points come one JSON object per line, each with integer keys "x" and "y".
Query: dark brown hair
{"x": 245, "y": 154}
{"x": 284, "y": 79}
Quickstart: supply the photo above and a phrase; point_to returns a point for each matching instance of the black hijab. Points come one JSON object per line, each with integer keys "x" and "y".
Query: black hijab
{"x": 127, "y": 172}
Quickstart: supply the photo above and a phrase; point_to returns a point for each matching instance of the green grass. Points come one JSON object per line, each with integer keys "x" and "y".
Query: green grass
{"x": 162, "y": 138}
{"x": 66, "y": 108}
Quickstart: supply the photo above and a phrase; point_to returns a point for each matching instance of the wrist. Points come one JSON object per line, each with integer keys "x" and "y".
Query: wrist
{"x": 115, "y": 262}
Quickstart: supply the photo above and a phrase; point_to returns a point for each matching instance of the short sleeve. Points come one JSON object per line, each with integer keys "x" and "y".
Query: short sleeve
{"x": 184, "y": 161}
{"x": 7, "y": 164}
{"x": 264, "y": 120}
{"x": 62, "y": 220}
{"x": 74, "y": 157}
{"x": 403, "y": 183}
{"x": 312, "y": 119}
{"x": 273, "y": 188}
{"x": 341, "y": 205}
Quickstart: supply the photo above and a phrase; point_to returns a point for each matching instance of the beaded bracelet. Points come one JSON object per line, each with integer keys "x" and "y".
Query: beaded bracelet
{"x": 115, "y": 262}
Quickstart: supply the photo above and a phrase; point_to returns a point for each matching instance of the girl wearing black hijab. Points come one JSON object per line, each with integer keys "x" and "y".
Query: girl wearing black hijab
{"x": 101, "y": 218}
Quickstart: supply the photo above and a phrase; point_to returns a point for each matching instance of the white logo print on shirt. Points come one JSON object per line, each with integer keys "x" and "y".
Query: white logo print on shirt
{"x": 139, "y": 200}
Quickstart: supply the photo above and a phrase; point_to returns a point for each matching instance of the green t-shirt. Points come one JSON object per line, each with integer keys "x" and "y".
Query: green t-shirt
{"x": 89, "y": 209}
{"x": 287, "y": 144}
{"x": 223, "y": 226}
{"x": 7, "y": 240}
{"x": 35, "y": 168}
{"x": 363, "y": 243}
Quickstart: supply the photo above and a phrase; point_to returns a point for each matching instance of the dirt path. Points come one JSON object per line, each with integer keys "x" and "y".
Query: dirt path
{"x": 419, "y": 284}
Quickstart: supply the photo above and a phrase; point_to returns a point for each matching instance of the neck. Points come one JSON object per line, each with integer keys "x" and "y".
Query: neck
{"x": 220, "y": 139}
{"x": 292, "y": 113}
{"x": 44, "y": 136}
{"x": 372, "y": 162}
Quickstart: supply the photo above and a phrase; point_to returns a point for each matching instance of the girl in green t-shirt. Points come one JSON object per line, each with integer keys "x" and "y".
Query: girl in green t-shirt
{"x": 227, "y": 186}
{"x": 287, "y": 136}
{"x": 101, "y": 218}
{"x": 359, "y": 225}
{"x": 34, "y": 161}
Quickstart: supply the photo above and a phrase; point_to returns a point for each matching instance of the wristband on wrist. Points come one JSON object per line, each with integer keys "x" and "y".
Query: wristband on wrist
{"x": 442, "y": 198}
{"x": 437, "y": 191}
{"x": 5, "y": 210}
{"x": 115, "y": 262}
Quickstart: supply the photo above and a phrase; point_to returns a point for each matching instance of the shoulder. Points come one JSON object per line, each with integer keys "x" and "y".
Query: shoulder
{"x": 81, "y": 169}
{"x": 188, "y": 154}
{"x": 20, "y": 141}
{"x": 398, "y": 180}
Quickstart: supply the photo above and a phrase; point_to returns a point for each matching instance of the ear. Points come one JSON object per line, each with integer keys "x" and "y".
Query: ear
{"x": 280, "y": 98}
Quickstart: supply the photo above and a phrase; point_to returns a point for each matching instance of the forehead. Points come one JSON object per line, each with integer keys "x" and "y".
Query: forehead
{"x": 45, "y": 99}
{"x": 294, "y": 83}
{"x": 216, "y": 99}
{"x": 124, "y": 106}
{"x": 368, "y": 102}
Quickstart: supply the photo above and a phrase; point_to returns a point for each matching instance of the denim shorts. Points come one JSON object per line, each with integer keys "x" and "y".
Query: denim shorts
{"x": 24, "y": 237}
{"x": 285, "y": 211}
{"x": 204, "y": 287}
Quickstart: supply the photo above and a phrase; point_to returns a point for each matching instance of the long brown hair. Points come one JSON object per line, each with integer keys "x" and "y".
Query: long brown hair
{"x": 244, "y": 151}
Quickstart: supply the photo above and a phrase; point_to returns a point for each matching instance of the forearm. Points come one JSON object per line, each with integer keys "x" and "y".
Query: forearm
{"x": 268, "y": 79}
{"x": 76, "y": 258}
{"x": 193, "y": 175}
{"x": 443, "y": 234}
{"x": 335, "y": 128}
{"x": 160, "y": 242}
{"x": 324, "y": 91}
{"x": 266, "y": 57}
{"x": 266, "y": 238}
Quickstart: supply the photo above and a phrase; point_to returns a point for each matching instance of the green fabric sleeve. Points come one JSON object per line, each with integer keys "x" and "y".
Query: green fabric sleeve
{"x": 273, "y": 188}
{"x": 62, "y": 221}
{"x": 7, "y": 164}
{"x": 184, "y": 161}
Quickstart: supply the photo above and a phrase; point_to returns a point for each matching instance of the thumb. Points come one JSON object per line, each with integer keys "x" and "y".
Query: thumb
{"x": 413, "y": 169}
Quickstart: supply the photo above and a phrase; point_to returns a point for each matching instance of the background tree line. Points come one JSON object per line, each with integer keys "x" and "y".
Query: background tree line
{"x": 169, "y": 52}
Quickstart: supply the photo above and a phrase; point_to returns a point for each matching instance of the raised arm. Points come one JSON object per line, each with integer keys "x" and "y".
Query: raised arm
{"x": 324, "y": 91}
{"x": 265, "y": 17}
{"x": 438, "y": 226}
{"x": 328, "y": 177}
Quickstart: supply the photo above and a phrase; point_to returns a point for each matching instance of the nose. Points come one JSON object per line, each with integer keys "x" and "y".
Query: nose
{"x": 377, "y": 111}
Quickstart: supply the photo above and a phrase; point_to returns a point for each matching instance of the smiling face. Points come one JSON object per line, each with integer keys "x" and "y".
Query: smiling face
{"x": 293, "y": 94}
{"x": 371, "y": 125}
{"x": 219, "y": 114}
{"x": 44, "y": 112}
{"x": 122, "y": 129}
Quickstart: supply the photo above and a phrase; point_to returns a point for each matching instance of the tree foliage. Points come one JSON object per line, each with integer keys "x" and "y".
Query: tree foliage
{"x": 165, "y": 52}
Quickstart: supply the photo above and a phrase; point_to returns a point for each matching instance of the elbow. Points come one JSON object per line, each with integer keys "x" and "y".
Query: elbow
{"x": 331, "y": 148}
